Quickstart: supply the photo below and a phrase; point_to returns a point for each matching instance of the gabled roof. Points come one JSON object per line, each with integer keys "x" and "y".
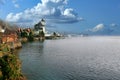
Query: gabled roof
{"x": 42, "y": 20}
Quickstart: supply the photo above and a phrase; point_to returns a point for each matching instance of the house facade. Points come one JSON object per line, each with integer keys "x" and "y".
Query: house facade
{"x": 39, "y": 28}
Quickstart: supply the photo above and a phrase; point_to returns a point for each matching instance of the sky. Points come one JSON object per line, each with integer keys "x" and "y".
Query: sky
{"x": 99, "y": 17}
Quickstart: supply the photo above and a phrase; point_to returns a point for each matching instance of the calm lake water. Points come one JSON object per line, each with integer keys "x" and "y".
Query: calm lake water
{"x": 78, "y": 58}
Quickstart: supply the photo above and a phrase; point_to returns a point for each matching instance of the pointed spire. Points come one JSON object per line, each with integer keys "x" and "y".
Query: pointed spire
{"x": 42, "y": 20}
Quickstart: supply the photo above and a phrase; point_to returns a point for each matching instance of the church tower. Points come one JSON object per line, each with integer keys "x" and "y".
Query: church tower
{"x": 40, "y": 26}
{"x": 43, "y": 24}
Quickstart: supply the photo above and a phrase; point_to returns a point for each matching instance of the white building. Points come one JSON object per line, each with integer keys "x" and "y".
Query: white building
{"x": 40, "y": 27}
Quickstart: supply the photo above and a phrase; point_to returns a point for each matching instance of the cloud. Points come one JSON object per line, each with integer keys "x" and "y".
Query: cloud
{"x": 97, "y": 28}
{"x": 116, "y": 28}
{"x": 102, "y": 29}
{"x": 16, "y": 5}
{"x": 52, "y": 10}
{"x": 113, "y": 25}
{"x": 14, "y": 1}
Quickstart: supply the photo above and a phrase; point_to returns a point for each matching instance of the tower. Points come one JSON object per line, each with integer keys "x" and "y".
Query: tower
{"x": 42, "y": 25}
{"x": 40, "y": 28}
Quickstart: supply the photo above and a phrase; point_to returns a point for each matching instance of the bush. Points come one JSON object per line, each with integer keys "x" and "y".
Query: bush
{"x": 11, "y": 68}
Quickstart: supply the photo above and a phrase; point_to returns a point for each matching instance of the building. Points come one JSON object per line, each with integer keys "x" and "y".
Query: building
{"x": 40, "y": 25}
{"x": 40, "y": 28}
{"x": 8, "y": 35}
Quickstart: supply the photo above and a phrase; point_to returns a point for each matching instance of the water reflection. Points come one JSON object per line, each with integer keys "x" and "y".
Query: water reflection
{"x": 34, "y": 48}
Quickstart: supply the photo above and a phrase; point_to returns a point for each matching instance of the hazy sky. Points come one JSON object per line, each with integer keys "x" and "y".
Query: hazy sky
{"x": 88, "y": 16}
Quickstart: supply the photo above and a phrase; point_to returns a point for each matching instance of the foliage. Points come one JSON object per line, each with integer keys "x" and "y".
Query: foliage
{"x": 11, "y": 68}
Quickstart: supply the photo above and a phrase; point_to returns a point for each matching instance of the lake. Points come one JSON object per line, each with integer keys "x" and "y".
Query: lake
{"x": 75, "y": 58}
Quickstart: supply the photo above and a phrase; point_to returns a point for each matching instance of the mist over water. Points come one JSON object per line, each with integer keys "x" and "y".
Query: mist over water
{"x": 78, "y": 58}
